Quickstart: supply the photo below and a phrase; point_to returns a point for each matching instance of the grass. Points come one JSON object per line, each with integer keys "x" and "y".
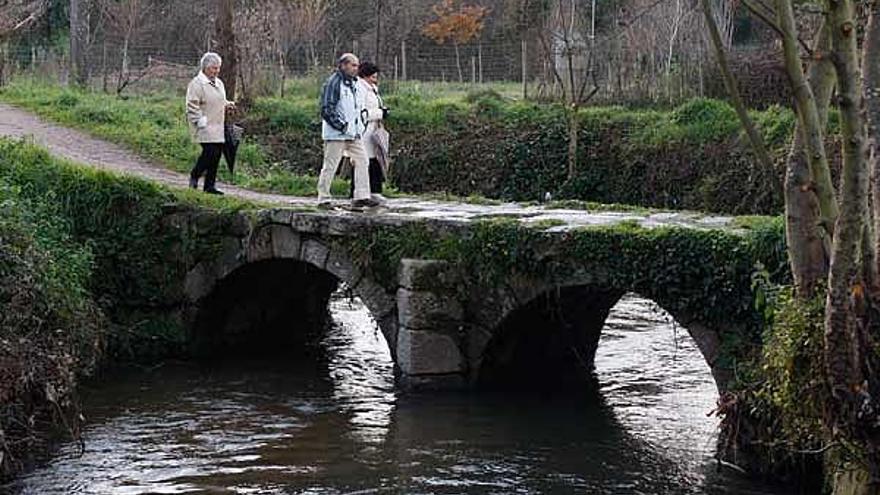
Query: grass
{"x": 153, "y": 126}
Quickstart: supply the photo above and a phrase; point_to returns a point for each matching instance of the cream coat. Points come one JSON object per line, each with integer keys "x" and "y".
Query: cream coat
{"x": 206, "y": 109}
{"x": 372, "y": 114}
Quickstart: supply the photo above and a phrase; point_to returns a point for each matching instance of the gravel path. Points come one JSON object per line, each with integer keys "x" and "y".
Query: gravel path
{"x": 82, "y": 148}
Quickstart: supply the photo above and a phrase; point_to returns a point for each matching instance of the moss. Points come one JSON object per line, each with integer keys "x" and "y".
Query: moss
{"x": 706, "y": 273}
{"x": 137, "y": 264}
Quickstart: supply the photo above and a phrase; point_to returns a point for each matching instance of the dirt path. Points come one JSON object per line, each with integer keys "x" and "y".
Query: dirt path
{"x": 82, "y": 148}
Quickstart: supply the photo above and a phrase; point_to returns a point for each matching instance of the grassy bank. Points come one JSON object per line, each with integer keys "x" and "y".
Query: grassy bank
{"x": 90, "y": 275}
{"x": 468, "y": 144}
{"x": 154, "y": 127}
{"x": 84, "y": 275}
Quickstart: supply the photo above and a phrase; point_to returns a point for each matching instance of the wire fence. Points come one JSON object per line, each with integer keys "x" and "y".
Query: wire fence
{"x": 616, "y": 68}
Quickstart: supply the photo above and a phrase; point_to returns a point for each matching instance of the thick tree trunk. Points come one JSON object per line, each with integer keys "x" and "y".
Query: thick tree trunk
{"x": 78, "y": 28}
{"x": 809, "y": 244}
{"x": 849, "y": 300}
{"x": 808, "y": 117}
{"x": 871, "y": 74}
{"x": 225, "y": 46}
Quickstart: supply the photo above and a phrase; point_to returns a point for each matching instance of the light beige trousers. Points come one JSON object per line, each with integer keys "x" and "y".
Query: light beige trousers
{"x": 359, "y": 163}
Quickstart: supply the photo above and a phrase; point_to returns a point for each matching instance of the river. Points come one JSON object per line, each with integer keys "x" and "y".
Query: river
{"x": 329, "y": 421}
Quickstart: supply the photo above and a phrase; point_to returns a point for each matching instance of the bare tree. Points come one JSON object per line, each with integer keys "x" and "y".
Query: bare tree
{"x": 310, "y": 18}
{"x": 16, "y": 16}
{"x": 571, "y": 61}
{"x": 127, "y": 20}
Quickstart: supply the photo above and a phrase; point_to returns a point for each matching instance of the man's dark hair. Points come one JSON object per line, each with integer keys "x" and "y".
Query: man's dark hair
{"x": 368, "y": 69}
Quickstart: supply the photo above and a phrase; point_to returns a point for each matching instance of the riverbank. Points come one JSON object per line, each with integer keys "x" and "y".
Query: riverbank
{"x": 478, "y": 144}
{"x": 112, "y": 224}
{"x": 80, "y": 267}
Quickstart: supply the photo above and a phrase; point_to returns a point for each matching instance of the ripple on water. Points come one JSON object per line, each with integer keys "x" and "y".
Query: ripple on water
{"x": 283, "y": 427}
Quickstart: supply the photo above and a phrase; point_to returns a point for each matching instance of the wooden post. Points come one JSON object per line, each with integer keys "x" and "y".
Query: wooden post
{"x": 403, "y": 59}
{"x": 525, "y": 89}
{"x": 395, "y": 68}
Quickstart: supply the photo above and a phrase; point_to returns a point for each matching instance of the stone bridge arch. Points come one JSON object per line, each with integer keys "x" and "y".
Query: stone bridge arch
{"x": 284, "y": 258}
{"x": 464, "y": 333}
{"x": 585, "y": 303}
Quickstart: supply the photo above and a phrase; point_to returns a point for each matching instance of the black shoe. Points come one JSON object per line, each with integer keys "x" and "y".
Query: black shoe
{"x": 193, "y": 182}
{"x": 214, "y": 191}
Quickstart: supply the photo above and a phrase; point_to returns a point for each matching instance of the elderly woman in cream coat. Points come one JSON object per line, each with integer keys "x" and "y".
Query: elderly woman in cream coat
{"x": 206, "y": 106}
{"x": 373, "y": 114}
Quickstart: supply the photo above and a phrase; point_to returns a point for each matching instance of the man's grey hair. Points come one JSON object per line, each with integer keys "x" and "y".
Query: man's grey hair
{"x": 346, "y": 58}
{"x": 209, "y": 59}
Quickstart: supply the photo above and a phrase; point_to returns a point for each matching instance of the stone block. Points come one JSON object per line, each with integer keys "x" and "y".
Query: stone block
{"x": 286, "y": 242}
{"x": 200, "y": 281}
{"x": 280, "y": 215}
{"x": 260, "y": 245}
{"x": 377, "y": 299}
{"x": 427, "y": 353}
{"x": 239, "y": 225}
{"x": 428, "y": 310}
{"x": 339, "y": 263}
{"x": 314, "y": 253}
{"x": 427, "y": 275}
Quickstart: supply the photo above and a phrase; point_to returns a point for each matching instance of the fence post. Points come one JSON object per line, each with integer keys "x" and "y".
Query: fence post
{"x": 525, "y": 89}
{"x": 104, "y": 66}
{"x": 403, "y": 59}
{"x": 3, "y": 63}
{"x": 395, "y": 68}
{"x": 480, "y": 60}
{"x": 473, "y": 70}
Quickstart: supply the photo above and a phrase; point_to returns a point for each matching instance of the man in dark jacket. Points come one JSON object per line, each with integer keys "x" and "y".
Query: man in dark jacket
{"x": 342, "y": 129}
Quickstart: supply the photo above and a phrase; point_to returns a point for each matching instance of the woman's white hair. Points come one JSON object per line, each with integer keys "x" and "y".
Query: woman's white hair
{"x": 210, "y": 59}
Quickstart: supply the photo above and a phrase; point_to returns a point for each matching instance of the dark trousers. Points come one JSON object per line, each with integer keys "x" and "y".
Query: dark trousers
{"x": 376, "y": 178}
{"x": 207, "y": 164}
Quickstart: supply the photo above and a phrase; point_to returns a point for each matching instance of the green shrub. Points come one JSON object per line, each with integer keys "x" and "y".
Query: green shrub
{"x": 51, "y": 330}
{"x": 447, "y": 140}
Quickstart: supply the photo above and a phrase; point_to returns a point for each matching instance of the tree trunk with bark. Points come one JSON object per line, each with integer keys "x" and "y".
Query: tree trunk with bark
{"x": 852, "y": 414}
{"x": 78, "y": 19}
{"x": 809, "y": 244}
{"x": 871, "y": 71}
{"x": 225, "y": 46}
{"x": 808, "y": 118}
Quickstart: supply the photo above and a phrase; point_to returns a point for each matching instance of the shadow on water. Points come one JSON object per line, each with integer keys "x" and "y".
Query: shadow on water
{"x": 331, "y": 422}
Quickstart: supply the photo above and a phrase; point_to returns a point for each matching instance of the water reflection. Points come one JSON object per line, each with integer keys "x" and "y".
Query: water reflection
{"x": 336, "y": 426}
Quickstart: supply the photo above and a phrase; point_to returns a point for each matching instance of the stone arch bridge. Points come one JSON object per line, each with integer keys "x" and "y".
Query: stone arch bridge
{"x": 465, "y": 299}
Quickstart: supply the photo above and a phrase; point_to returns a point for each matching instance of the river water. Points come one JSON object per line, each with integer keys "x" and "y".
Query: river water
{"x": 330, "y": 422}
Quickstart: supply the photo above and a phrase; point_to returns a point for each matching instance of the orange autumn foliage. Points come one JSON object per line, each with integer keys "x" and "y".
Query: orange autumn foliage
{"x": 456, "y": 23}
